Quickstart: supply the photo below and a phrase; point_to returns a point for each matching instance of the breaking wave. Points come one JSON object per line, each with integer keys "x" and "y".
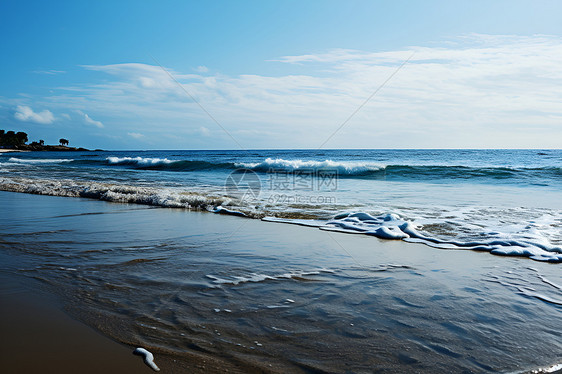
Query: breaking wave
{"x": 342, "y": 167}
{"x": 166, "y": 164}
{"x": 38, "y": 161}
{"x": 350, "y": 169}
{"x": 112, "y": 192}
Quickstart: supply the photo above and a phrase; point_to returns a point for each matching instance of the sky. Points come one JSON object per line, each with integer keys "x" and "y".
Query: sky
{"x": 283, "y": 74}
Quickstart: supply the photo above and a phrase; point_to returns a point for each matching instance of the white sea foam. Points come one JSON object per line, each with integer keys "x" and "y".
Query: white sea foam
{"x": 300, "y": 222}
{"x": 527, "y": 241}
{"x": 145, "y": 161}
{"x": 163, "y": 197}
{"x": 514, "y": 232}
{"x": 223, "y": 210}
{"x": 256, "y": 277}
{"x": 41, "y": 161}
{"x": 148, "y": 358}
{"x": 342, "y": 167}
{"x": 549, "y": 369}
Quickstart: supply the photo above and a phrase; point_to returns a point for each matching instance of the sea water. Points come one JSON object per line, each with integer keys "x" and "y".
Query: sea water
{"x": 152, "y": 265}
{"x": 507, "y": 202}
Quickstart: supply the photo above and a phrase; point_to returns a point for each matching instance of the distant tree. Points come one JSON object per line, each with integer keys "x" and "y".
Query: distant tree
{"x": 21, "y": 138}
{"x": 63, "y": 141}
{"x": 11, "y": 139}
{"x": 41, "y": 142}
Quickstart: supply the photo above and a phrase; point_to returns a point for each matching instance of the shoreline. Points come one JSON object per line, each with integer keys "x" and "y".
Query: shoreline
{"x": 47, "y": 148}
{"x": 11, "y": 150}
{"x": 444, "y": 273}
{"x": 214, "y": 204}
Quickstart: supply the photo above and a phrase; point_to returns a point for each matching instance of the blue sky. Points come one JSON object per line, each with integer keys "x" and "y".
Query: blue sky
{"x": 283, "y": 74}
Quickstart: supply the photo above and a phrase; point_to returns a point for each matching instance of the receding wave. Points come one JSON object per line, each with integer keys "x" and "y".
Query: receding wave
{"x": 115, "y": 193}
{"x": 391, "y": 226}
{"x": 255, "y": 277}
{"x": 531, "y": 239}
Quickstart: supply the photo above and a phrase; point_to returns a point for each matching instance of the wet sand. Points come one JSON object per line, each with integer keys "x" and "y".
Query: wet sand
{"x": 38, "y": 337}
{"x": 138, "y": 274}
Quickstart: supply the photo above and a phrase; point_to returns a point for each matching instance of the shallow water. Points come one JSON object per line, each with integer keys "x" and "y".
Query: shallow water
{"x": 506, "y": 202}
{"x": 282, "y": 297}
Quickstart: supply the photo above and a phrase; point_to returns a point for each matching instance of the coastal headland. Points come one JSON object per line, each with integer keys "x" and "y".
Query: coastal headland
{"x": 11, "y": 141}
{"x": 42, "y": 148}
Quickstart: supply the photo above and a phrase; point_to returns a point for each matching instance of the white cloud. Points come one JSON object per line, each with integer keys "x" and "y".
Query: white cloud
{"x": 92, "y": 122}
{"x": 88, "y": 120}
{"x": 204, "y": 131}
{"x": 478, "y": 91}
{"x": 202, "y": 69}
{"x": 143, "y": 75}
{"x": 135, "y": 135}
{"x": 26, "y": 114}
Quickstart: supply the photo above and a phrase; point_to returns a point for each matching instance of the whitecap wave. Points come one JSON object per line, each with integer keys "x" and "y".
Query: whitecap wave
{"x": 145, "y": 161}
{"x": 342, "y": 167}
{"x": 37, "y": 161}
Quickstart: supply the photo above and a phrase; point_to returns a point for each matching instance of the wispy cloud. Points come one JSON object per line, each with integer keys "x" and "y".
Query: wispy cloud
{"x": 475, "y": 91}
{"x": 89, "y": 121}
{"x": 26, "y": 114}
{"x": 135, "y": 135}
{"x": 49, "y": 72}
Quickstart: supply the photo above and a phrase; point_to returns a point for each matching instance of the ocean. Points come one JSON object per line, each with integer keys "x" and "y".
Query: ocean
{"x": 506, "y": 202}
{"x": 300, "y": 261}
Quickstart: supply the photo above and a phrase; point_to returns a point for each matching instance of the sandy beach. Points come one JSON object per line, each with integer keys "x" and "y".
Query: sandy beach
{"x": 289, "y": 187}
{"x": 11, "y": 150}
{"x": 210, "y": 293}
{"x": 38, "y": 336}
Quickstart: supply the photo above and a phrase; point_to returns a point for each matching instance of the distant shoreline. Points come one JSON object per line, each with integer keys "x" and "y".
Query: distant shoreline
{"x": 45, "y": 148}
{"x": 11, "y": 150}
